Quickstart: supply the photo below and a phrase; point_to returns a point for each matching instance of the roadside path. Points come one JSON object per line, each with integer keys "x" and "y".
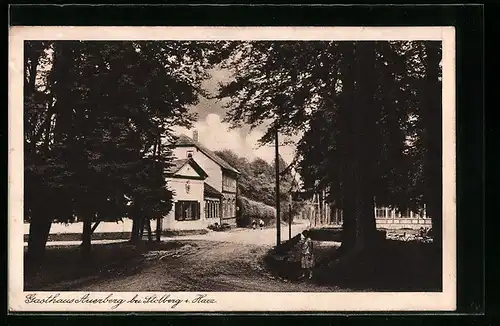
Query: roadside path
{"x": 266, "y": 236}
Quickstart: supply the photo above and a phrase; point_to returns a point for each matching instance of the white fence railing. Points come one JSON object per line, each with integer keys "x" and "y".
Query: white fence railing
{"x": 384, "y": 217}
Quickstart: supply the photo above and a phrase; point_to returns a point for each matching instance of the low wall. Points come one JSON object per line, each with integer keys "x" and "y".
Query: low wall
{"x": 103, "y": 227}
{"x": 126, "y": 226}
{"x": 403, "y": 223}
{"x": 393, "y": 223}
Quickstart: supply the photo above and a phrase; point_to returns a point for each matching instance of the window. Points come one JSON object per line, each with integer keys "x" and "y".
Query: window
{"x": 380, "y": 212}
{"x": 187, "y": 210}
{"x": 231, "y": 208}
{"x": 228, "y": 183}
{"x": 211, "y": 208}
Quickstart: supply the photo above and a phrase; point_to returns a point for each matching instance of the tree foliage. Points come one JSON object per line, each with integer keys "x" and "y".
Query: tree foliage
{"x": 258, "y": 178}
{"x": 95, "y": 114}
{"x": 367, "y": 111}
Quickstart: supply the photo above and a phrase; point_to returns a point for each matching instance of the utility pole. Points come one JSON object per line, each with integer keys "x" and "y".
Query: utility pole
{"x": 290, "y": 216}
{"x": 277, "y": 166}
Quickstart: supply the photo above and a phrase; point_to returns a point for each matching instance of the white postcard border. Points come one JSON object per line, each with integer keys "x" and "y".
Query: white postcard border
{"x": 229, "y": 301}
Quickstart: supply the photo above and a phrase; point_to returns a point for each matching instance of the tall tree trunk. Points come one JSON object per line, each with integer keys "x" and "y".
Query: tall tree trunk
{"x": 38, "y": 235}
{"x": 359, "y": 227}
{"x": 134, "y": 236}
{"x": 141, "y": 228}
{"x": 159, "y": 228}
{"x": 147, "y": 223}
{"x": 365, "y": 125}
{"x": 348, "y": 226}
{"x": 431, "y": 115}
{"x": 87, "y": 235}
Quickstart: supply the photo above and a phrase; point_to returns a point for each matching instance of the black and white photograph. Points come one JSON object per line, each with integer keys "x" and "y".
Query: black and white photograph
{"x": 222, "y": 170}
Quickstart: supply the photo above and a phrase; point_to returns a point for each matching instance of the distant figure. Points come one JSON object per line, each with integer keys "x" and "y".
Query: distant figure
{"x": 254, "y": 224}
{"x": 307, "y": 254}
{"x": 261, "y": 223}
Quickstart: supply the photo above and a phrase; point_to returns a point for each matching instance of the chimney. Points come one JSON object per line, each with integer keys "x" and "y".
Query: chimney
{"x": 195, "y": 135}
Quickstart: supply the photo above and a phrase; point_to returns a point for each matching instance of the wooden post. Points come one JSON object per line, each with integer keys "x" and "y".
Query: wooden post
{"x": 289, "y": 216}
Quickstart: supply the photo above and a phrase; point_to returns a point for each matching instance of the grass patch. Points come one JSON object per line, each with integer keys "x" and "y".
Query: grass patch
{"x": 64, "y": 267}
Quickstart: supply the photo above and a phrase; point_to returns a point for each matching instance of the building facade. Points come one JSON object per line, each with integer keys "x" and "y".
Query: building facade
{"x": 320, "y": 213}
{"x": 204, "y": 187}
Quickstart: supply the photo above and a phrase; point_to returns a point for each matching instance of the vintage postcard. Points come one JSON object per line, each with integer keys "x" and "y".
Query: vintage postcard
{"x": 216, "y": 169}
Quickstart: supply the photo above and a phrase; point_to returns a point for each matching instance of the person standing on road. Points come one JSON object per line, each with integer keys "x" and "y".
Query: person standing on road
{"x": 261, "y": 223}
{"x": 307, "y": 255}
{"x": 254, "y": 224}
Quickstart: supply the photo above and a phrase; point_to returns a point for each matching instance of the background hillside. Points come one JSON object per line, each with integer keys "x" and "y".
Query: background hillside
{"x": 257, "y": 180}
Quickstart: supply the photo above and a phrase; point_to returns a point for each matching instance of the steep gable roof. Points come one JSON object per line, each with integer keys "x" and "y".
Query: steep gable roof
{"x": 177, "y": 165}
{"x": 184, "y": 140}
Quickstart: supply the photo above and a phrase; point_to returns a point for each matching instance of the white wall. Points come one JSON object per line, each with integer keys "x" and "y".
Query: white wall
{"x": 187, "y": 170}
{"x": 213, "y": 169}
{"x": 178, "y": 186}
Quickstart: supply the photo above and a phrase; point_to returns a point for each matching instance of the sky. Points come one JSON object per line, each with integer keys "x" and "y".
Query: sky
{"x": 217, "y": 135}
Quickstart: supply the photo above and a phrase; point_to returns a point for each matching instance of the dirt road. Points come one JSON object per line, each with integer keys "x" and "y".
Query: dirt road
{"x": 218, "y": 261}
{"x": 264, "y": 237}
{"x": 203, "y": 266}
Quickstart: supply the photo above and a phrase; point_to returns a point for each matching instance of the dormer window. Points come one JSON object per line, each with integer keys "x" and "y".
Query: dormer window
{"x": 189, "y": 154}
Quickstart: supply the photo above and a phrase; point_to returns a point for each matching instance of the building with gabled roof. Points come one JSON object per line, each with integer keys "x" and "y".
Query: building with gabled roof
{"x": 204, "y": 186}
{"x": 185, "y": 141}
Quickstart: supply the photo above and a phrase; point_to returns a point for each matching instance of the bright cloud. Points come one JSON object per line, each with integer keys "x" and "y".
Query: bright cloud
{"x": 216, "y": 135}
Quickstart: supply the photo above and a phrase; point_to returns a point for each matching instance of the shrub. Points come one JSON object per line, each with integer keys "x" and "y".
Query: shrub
{"x": 219, "y": 227}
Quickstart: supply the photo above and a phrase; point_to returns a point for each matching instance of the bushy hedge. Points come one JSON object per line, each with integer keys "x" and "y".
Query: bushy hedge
{"x": 219, "y": 227}
{"x": 326, "y": 234}
{"x": 249, "y": 209}
{"x": 335, "y": 234}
